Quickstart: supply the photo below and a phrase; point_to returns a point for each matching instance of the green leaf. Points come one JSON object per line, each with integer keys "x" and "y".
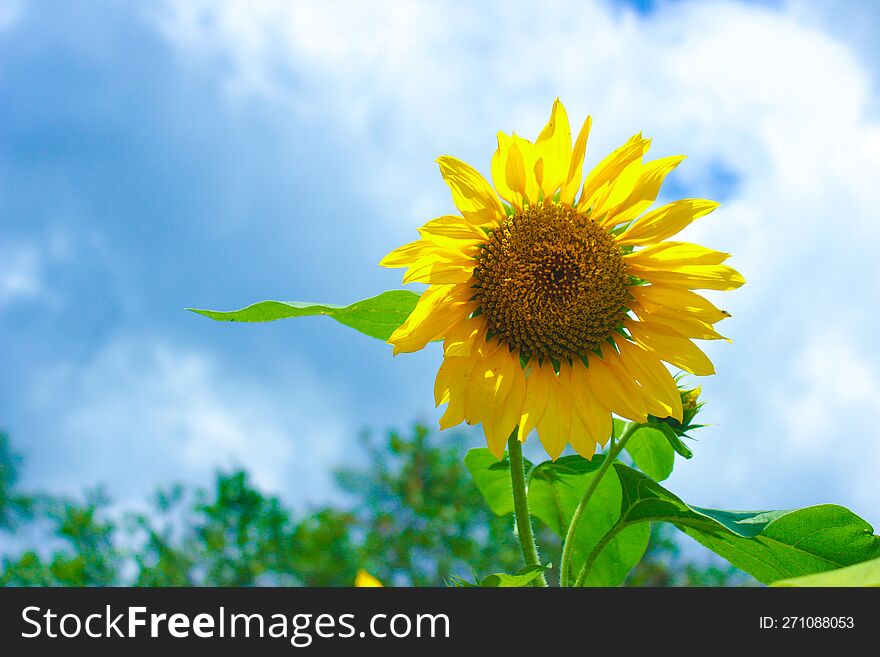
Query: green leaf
{"x": 556, "y": 490}
{"x": 674, "y": 440}
{"x": 523, "y": 577}
{"x": 618, "y": 557}
{"x": 492, "y": 478}
{"x": 769, "y": 545}
{"x": 377, "y": 316}
{"x": 866, "y": 573}
{"x": 652, "y": 452}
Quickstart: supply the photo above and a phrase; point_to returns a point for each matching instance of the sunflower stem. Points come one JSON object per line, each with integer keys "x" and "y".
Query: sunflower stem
{"x": 521, "y": 505}
{"x": 614, "y": 448}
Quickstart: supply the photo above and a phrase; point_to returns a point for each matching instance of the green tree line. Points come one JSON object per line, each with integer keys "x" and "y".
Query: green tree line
{"x": 413, "y": 517}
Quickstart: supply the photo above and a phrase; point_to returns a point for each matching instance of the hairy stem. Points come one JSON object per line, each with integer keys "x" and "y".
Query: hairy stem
{"x": 614, "y": 448}
{"x": 521, "y": 505}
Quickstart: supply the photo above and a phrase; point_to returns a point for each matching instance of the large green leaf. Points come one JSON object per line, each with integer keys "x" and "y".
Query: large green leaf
{"x": 652, "y": 452}
{"x": 769, "y": 545}
{"x": 377, "y": 316}
{"x": 866, "y": 573}
{"x": 555, "y": 492}
{"x": 614, "y": 529}
{"x": 492, "y": 478}
{"x": 556, "y": 489}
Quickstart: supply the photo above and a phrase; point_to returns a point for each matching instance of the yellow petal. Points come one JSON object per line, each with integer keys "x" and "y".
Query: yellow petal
{"x": 609, "y": 168}
{"x": 537, "y": 393}
{"x": 666, "y": 221}
{"x": 596, "y": 417}
{"x": 515, "y": 173}
{"x": 471, "y": 193}
{"x": 636, "y": 189}
{"x": 499, "y": 172}
{"x": 554, "y": 150}
{"x": 404, "y": 256}
{"x": 458, "y": 236}
{"x": 451, "y": 386}
{"x": 688, "y": 327}
{"x": 614, "y": 389}
{"x": 581, "y": 438}
{"x": 442, "y": 240}
{"x": 584, "y": 425}
{"x": 576, "y": 166}
{"x": 454, "y": 413}
{"x": 669, "y": 346}
{"x": 482, "y": 383}
{"x": 533, "y": 165}
{"x": 443, "y": 380}
{"x": 436, "y": 271}
{"x": 690, "y": 277}
{"x": 678, "y": 300}
{"x": 658, "y": 384}
{"x": 511, "y": 412}
{"x": 504, "y": 412}
{"x": 460, "y": 339}
{"x": 555, "y": 426}
{"x": 452, "y": 227}
{"x": 601, "y": 199}
{"x": 670, "y": 254}
{"x": 439, "y": 307}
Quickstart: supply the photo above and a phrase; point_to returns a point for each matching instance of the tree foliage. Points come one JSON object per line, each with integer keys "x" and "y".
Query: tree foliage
{"x": 414, "y": 518}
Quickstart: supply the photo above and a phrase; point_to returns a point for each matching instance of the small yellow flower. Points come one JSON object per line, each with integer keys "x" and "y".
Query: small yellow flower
{"x": 557, "y": 308}
{"x": 364, "y": 579}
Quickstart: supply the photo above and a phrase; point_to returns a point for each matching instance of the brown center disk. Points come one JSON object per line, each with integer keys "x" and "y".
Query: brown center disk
{"x": 551, "y": 282}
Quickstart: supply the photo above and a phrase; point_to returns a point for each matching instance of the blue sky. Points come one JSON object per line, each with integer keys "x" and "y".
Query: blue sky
{"x": 155, "y": 156}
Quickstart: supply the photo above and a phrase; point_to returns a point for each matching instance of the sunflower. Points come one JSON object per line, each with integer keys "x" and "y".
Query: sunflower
{"x": 558, "y": 298}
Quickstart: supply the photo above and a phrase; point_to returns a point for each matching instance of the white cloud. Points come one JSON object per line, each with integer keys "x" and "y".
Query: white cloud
{"x": 776, "y": 100}
{"x": 770, "y": 94}
{"x": 21, "y": 273}
{"x": 795, "y": 437}
{"x": 26, "y": 267}
{"x": 147, "y": 407}
{"x": 833, "y": 382}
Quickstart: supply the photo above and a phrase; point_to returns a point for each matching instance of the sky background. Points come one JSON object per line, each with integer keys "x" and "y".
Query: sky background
{"x": 159, "y": 155}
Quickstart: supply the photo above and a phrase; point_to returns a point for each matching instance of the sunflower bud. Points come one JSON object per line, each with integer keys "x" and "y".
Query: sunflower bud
{"x": 690, "y": 406}
{"x": 675, "y": 430}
